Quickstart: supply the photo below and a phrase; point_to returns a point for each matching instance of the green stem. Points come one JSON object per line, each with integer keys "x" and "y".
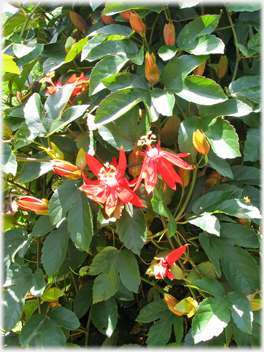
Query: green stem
{"x": 28, "y": 18}
{"x": 166, "y": 227}
{"x": 88, "y": 328}
{"x": 156, "y": 245}
{"x": 180, "y": 109}
{"x": 182, "y": 194}
{"x": 146, "y": 42}
{"x": 235, "y": 42}
{"x": 38, "y": 262}
{"x": 75, "y": 285}
{"x": 25, "y": 140}
{"x": 21, "y": 187}
{"x": 33, "y": 160}
{"x": 80, "y": 127}
{"x": 188, "y": 195}
{"x": 153, "y": 26}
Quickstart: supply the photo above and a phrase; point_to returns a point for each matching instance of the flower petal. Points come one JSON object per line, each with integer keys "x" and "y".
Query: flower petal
{"x": 94, "y": 165}
{"x": 150, "y": 175}
{"x": 168, "y": 174}
{"x": 175, "y": 255}
{"x": 175, "y": 159}
{"x": 122, "y": 163}
{"x": 124, "y": 194}
{"x": 111, "y": 203}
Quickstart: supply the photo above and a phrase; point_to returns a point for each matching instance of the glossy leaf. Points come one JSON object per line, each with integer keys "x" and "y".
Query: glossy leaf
{"x": 13, "y": 241}
{"x": 205, "y": 44}
{"x": 125, "y": 80}
{"x": 239, "y": 235}
{"x": 219, "y": 164}
{"x": 210, "y": 318}
{"x": 213, "y": 287}
{"x": 83, "y": 299}
{"x": 163, "y": 101}
{"x": 63, "y": 317}
{"x": 80, "y": 223}
{"x": 241, "y": 311}
{"x": 209, "y": 202}
{"x": 243, "y": 175}
{"x": 9, "y": 65}
{"x": 62, "y": 199}
{"x": 42, "y": 227}
{"x": 243, "y": 7}
{"x": 9, "y": 163}
{"x": 104, "y": 316}
{"x": 201, "y": 90}
{"x": 55, "y": 248}
{"x": 246, "y": 87}
{"x": 113, "y": 29}
{"x": 38, "y": 283}
{"x": 240, "y": 209}
{"x": 206, "y": 222}
{"x": 75, "y": 50}
{"x": 113, "y": 7}
{"x": 32, "y": 170}
{"x": 252, "y": 145}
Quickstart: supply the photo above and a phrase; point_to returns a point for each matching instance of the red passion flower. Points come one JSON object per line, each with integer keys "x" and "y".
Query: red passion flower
{"x": 111, "y": 188}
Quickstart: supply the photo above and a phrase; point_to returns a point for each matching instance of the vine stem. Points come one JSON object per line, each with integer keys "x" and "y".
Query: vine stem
{"x": 88, "y": 328}
{"x": 28, "y": 18}
{"x": 180, "y": 109}
{"x": 229, "y": 14}
{"x": 38, "y": 262}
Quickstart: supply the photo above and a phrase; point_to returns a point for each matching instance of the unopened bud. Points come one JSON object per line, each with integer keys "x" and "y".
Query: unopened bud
{"x": 222, "y": 66}
{"x": 80, "y": 160}
{"x": 200, "y": 142}
{"x": 78, "y": 21}
{"x": 125, "y": 15}
{"x": 136, "y": 23}
{"x": 107, "y": 19}
{"x": 151, "y": 69}
{"x": 169, "y": 33}
{"x": 134, "y": 157}
{"x": 198, "y": 71}
{"x": 185, "y": 176}
{"x": 171, "y": 303}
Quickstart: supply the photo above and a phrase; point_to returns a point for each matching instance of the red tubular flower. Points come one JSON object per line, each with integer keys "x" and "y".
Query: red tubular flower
{"x": 136, "y": 23}
{"x": 162, "y": 269}
{"x": 112, "y": 189}
{"x": 66, "y": 169}
{"x": 39, "y": 206}
{"x": 160, "y": 161}
{"x": 107, "y": 19}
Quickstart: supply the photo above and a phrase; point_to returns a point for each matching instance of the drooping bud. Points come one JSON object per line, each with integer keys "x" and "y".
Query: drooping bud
{"x": 198, "y": 71}
{"x": 200, "y": 142}
{"x": 171, "y": 303}
{"x": 151, "y": 69}
{"x": 80, "y": 160}
{"x": 39, "y": 206}
{"x": 125, "y": 15}
{"x": 134, "y": 157}
{"x": 187, "y": 306}
{"x": 136, "y": 23}
{"x": 78, "y": 21}
{"x": 107, "y": 19}
{"x": 169, "y": 33}
{"x": 185, "y": 176}
{"x": 222, "y": 66}
{"x": 66, "y": 169}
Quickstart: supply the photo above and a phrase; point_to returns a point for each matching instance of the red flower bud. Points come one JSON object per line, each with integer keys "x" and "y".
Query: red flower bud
{"x": 151, "y": 69}
{"x": 200, "y": 69}
{"x": 107, "y": 19}
{"x": 136, "y": 23}
{"x": 39, "y": 206}
{"x": 222, "y": 67}
{"x": 134, "y": 157}
{"x": 200, "y": 142}
{"x": 169, "y": 33}
{"x": 125, "y": 15}
{"x": 171, "y": 303}
{"x": 185, "y": 176}
{"x": 64, "y": 168}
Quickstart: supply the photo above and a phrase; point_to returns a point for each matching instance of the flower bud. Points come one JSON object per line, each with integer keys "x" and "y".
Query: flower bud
{"x": 171, "y": 303}
{"x": 136, "y": 23}
{"x": 169, "y": 33}
{"x": 151, "y": 69}
{"x": 198, "y": 71}
{"x": 55, "y": 152}
{"x": 107, "y": 19}
{"x": 80, "y": 160}
{"x": 39, "y": 206}
{"x": 222, "y": 66}
{"x": 185, "y": 176}
{"x": 187, "y": 306}
{"x": 200, "y": 142}
{"x": 78, "y": 21}
{"x": 64, "y": 168}
{"x": 125, "y": 15}
{"x": 134, "y": 157}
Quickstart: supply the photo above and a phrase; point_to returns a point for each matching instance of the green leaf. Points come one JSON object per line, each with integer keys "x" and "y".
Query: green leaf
{"x": 21, "y": 80}
{"x": 27, "y": 53}
{"x": 246, "y": 87}
{"x": 169, "y": 132}
{"x": 252, "y": 145}
{"x": 38, "y": 283}
{"x": 9, "y": 163}
{"x": 239, "y": 235}
{"x": 213, "y": 287}
{"x": 238, "y": 265}
{"x": 52, "y": 294}
{"x": 75, "y": 50}
{"x": 9, "y": 65}
{"x": 235, "y": 7}
{"x": 62, "y": 199}
{"x": 254, "y": 43}
{"x": 54, "y": 249}
{"x": 202, "y": 25}
{"x": 108, "y": 66}
{"x": 201, "y": 90}
{"x": 210, "y": 201}
{"x": 123, "y": 294}
{"x": 167, "y": 52}
{"x": 125, "y": 80}
{"x": 125, "y": 131}
{"x": 230, "y": 107}
{"x": 124, "y": 48}
{"x": 92, "y": 43}
{"x": 163, "y": 101}
{"x": 14, "y": 240}
{"x": 178, "y": 68}
{"x": 104, "y": 316}
{"x": 206, "y": 222}
{"x": 129, "y": 271}
{"x": 113, "y": 29}
{"x": 245, "y": 175}
{"x": 160, "y": 332}
{"x": 117, "y": 104}
{"x": 45, "y": 332}
{"x": 241, "y": 311}
{"x": 106, "y": 284}
{"x": 153, "y": 311}
{"x": 132, "y": 229}
{"x": 32, "y": 170}
{"x": 80, "y": 223}
{"x": 210, "y": 318}
{"x": 42, "y": 227}
{"x": 83, "y": 299}
{"x": 64, "y": 317}
{"x": 159, "y": 207}
{"x": 240, "y": 209}
{"x": 205, "y": 44}
{"x": 113, "y": 7}
{"x": 219, "y": 164}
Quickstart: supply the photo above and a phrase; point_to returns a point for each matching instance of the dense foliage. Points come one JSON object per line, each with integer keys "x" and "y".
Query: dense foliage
{"x": 131, "y": 175}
